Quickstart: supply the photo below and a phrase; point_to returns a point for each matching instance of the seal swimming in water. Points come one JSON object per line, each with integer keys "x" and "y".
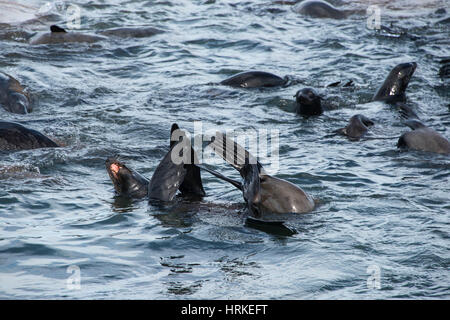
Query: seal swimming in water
{"x": 422, "y": 138}
{"x": 394, "y": 87}
{"x": 356, "y": 128}
{"x": 60, "y": 35}
{"x": 308, "y": 102}
{"x": 14, "y": 136}
{"x": 254, "y": 79}
{"x": 126, "y": 181}
{"x": 13, "y": 96}
{"x": 131, "y": 32}
{"x": 265, "y": 195}
{"x": 319, "y": 9}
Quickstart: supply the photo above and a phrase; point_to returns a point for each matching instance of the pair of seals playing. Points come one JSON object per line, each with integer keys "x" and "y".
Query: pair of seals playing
{"x": 263, "y": 193}
{"x": 168, "y": 178}
{"x": 60, "y": 35}
{"x": 13, "y": 97}
{"x": 391, "y": 91}
{"x": 14, "y": 136}
{"x": 308, "y": 102}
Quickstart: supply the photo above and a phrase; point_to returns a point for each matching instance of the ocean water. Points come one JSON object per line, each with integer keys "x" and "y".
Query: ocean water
{"x": 380, "y": 231}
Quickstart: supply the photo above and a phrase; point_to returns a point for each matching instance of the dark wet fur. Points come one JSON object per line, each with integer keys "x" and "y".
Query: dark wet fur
{"x": 356, "y": 128}
{"x": 170, "y": 177}
{"x": 394, "y": 87}
{"x": 13, "y": 98}
{"x": 128, "y": 182}
{"x": 308, "y": 102}
{"x": 254, "y": 79}
{"x": 14, "y": 136}
{"x": 421, "y": 137}
{"x": 319, "y": 9}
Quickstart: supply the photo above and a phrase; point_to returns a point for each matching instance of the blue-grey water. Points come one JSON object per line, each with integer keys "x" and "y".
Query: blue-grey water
{"x": 381, "y": 230}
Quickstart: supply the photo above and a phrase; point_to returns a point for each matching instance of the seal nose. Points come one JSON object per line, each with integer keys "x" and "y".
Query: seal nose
{"x": 114, "y": 168}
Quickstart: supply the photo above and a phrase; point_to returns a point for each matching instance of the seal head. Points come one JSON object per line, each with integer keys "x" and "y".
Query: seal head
{"x": 394, "y": 87}
{"x": 13, "y": 97}
{"x": 125, "y": 180}
{"x": 308, "y": 102}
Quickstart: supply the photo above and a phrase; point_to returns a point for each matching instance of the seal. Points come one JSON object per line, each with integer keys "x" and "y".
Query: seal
{"x": 308, "y": 102}
{"x": 422, "y": 138}
{"x": 182, "y": 174}
{"x": 13, "y": 97}
{"x": 126, "y": 181}
{"x": 356, "y": 128}
{"x": 265, "y": 195}
{"x": 167, "y": 179}
{"x": 394, "y": 87}
{"x": 319, "y": 9}
{"x": 444, "y": 71}
{"x": 254, "y": 79}
{"x": 14, "y": 136}
{"x": 129, "y": 32}
{"x": 60, "y": 35}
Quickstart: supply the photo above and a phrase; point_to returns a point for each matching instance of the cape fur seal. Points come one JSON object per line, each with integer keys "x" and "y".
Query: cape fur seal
{"x": 319, "y": 9}
{"x": 264, "y": 194}
{"x": 60, "y": 35}
{"x": 254, "y": 79}
{"x": 14, "y": 136}
{"x": 394, "y": 87}
{"x": 172, "y": 175}
{"x": 356, "y": 128}
{"x": 13, "y": 96}
{"x": 168, "y": 177}
{"x": 126, "y": 181}
{"x": 308, "y": 102}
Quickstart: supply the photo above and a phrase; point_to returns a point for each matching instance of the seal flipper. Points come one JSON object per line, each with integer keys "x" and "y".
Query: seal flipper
{"x": 414, "y": 124}
{"x": 55, "y": 28}
{"x": 235, "y": 183}
{"x": 166, "y": 179}
{"x": 247, "y": 165}
{"x": 407, "y": 112}
{"x": 192, "y": 183}
{"x": 251, "y": 187}
{"x": 233, "y": 153}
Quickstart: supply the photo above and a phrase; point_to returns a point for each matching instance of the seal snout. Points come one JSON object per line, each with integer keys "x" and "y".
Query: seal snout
{"x": 114, "y": 168}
